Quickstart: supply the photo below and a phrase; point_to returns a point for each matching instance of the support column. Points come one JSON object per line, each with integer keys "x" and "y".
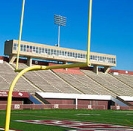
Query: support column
{"x": 65, "y": 62}
{"x": 12, "y": 59}
{"x": 29, "y": 61}
{"x": 106, "y": 69}
{"x": 76, "y": 103}
{"x": 95, "y": 69}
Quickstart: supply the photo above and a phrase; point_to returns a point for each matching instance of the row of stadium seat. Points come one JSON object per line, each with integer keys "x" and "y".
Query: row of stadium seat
{"x": 57, "y": 81}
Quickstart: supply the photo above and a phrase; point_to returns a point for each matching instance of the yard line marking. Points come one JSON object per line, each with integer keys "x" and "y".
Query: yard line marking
{"x": 2, "y": 129}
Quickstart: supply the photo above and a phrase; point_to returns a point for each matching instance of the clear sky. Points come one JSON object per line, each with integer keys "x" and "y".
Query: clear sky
{"x": 112, "y": 25}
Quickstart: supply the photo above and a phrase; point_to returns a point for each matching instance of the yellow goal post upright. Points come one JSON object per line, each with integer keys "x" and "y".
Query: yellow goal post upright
{"x": 20, "y": 33}
{"x": 39, "y": 67}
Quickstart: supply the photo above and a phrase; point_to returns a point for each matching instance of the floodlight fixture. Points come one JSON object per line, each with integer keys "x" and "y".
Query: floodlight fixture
{"x": 60, "y": 21}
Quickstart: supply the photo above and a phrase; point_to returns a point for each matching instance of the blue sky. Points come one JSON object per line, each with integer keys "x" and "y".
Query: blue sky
{"x": 112, "y": 25}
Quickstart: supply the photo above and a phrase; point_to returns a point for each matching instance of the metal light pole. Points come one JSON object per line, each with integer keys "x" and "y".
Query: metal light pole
{"x": 60, "y": 21}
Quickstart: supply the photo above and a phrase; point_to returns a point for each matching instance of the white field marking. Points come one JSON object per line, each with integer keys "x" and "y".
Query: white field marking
{"x": 124, "y": 111}
{"x": 87, "y": 114}
{"x": 103, "y": 130}
{"x": 4, "y": 129}
{"x": 129, "y": 114}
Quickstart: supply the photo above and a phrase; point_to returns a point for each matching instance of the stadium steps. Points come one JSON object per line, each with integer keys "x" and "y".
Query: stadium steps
{"x": 38, "y": 82}
{"x": 7, "y": 74}
{"x": 30, "y": 82}
{"x": 40, "y": 74}
{"x": 32, "y": 88}
{"x": 128, "y": 91}
{"x": 69, "y": 78}
{"x": 120, "y": 102}
{"x": 87, "y": 81}
{"x": 35, "y": 100}
{"x": 127, "y": 103}
{"x": 106, "y": 85}
{"x": 107, "y": 78}
{"x": 41, "y": 99}
{"x": 65, "y": 78}
{"x": 82, "y": 79}
{"x": 112, "y": 84}
{"x": 126, "y": 79}
{"x": 46, "y": 81}
{"x": 57, "y": 82}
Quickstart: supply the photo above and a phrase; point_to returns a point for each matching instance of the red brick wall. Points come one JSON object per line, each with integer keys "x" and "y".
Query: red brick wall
{"x": 96, "y": 103}
{"x": 13, "y": 102}
{"x": 131, "y": 102}
{"x": 122, "y": 108}
{"x": 60, "y": 101}
{"x": 1, "y": 58}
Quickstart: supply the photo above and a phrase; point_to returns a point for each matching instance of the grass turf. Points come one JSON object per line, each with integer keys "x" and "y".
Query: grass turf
{"x": 98, "y": 116}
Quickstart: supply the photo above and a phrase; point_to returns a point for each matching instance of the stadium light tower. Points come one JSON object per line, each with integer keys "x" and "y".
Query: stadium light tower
{"x": 60, "y": 21}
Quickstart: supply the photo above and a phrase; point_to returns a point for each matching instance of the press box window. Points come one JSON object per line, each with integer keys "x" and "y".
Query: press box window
{"x": 21, "y": 47}
{"x": 15, "y": 46}
{"x": 24, "y": 47}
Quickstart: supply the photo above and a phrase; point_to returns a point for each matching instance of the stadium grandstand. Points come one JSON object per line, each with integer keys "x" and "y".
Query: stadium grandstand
{"x": 94, "y": 87}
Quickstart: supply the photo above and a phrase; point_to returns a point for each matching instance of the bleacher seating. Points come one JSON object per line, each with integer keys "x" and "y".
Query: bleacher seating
{"x": 126, "y": 90}
{"x": 87, "y": 81}
{"x": 110, "y": 83}
{"x": 82, "y": 82}
{"x": 56, "y": 81}
{"x": 76, "y": 84}
{"x": 127, "y": 79}
{"x": 47, "y": 81}
{"x": 7, "y": 75}
{"x": 67, "y": 81}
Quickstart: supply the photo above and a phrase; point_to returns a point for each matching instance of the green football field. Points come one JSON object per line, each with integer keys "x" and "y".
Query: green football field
{"x": 25, "y": 120}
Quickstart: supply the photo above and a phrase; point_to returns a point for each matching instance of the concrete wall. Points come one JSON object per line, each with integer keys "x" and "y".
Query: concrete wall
{"x": 49, "y": 106}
